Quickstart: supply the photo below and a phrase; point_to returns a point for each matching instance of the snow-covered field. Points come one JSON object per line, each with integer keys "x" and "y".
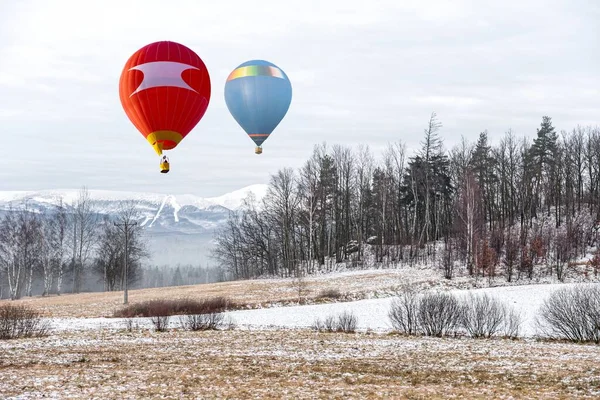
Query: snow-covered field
{"x": 273, "y": 353}
{"x": 372, "y": 314}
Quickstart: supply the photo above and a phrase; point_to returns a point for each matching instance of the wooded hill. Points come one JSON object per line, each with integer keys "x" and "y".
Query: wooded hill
{"x": 501, "y": 208}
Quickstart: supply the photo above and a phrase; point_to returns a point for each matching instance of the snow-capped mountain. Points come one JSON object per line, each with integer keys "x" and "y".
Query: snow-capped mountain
{"x": 179, "y": 228}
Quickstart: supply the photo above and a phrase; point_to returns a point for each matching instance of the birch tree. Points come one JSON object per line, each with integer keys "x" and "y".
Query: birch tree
{"x": 84, "y": 224}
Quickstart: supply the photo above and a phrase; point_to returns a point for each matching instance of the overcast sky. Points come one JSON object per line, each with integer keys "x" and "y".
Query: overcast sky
{"x": 362, "y": 72}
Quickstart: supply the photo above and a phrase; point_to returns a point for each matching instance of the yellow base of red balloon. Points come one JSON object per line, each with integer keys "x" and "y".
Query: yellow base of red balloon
{"x": 164, "y": 140}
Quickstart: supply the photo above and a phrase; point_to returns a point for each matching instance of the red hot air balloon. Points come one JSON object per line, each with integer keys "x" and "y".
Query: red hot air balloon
{"x": 165, "y": 90}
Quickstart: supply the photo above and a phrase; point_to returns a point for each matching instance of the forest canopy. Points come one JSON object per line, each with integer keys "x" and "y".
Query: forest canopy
{"x": 519, "y": 202}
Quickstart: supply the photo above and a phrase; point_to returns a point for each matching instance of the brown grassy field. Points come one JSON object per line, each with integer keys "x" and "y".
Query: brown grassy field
{"x": 245, "y": 364}
{"x": 250, "y": 294}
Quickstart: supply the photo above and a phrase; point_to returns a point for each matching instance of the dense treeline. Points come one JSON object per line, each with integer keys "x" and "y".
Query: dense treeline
{"x": 510, "y": 207}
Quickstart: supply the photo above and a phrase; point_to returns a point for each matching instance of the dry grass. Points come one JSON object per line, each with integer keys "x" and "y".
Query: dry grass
{"x": 293, "y": 364}
{"x": 250, "y": 294}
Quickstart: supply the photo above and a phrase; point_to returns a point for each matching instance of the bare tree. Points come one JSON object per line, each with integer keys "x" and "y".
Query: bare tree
{"x": 447, "y": 259}
{"x": 307, "y": 190}
{"x": 9, "y": 254}
{"x": 60, "y": 242}
{"x": 431, "y": 146}
{"x": 112, "y": 241}
{"x": 364, "y": 172}
{"x": 397, "y": 153}
{"x": 470, "y": 218}
{"x": 511, "y": 255}
{"x": 84, "y": 225}
{"x": 577, "y": 151}
{"x": 46, "y": 253}
{"x": 28, "y": 238}
{"x": 109, "y": 255}
{"x": 344, "y": 166}
{"x": 284, "y": 199}
{"x": 19, "y": 231}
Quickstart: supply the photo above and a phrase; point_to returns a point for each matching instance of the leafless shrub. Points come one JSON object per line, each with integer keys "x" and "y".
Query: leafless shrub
{"x": 318, "y": 325}
{"x": 572, "y": 314}
{"x": 131, "y": 325}
{"x": 229, "y": 324}
{"x": 344, "y": 322}
{"x": 438, "y": 313}
{"x": 329, "y": 324}
{"x": 512, "y": 324}
{"x": 21, "y": 322}
{"x": 160, "y": 322}
{"x": 482, "y": 316}
{"x": 447, "y": 259}
{"x": 153, "y": 308}
{"x": 347, "y": 322}
{"x": 404, "y": 310}
{"x": 202, "y": 322}
{"x": 329, "y": 294}
{"x": 300, "y": 284}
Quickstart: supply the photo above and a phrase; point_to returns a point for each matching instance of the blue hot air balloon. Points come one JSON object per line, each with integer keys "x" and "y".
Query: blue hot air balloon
{"x": 258, "y": 95}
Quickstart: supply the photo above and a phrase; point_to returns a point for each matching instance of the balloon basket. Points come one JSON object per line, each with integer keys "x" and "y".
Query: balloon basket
{"x": 258, "y": 150}
{"x": 164, "y": 167}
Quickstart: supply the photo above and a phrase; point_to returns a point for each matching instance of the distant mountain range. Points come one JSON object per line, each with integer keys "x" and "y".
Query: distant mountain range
{"x": 179, "y": 228}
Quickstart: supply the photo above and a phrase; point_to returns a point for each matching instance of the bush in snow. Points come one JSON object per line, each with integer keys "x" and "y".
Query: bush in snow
{"x": 572, "y": 314}
{"x": 329, "y": 324}
{"x": 202, "y": 322}
{"x": 160, "y": 322}
{"x": 438, "y": 314}
{"x": 404, "y": 310}
{"x": 512, "y": 324}
{"x": 21, "y": 321}
{"x": 482, "y": 316}
{"x": 131, "y": 325}
{"x": 345, "y": 322}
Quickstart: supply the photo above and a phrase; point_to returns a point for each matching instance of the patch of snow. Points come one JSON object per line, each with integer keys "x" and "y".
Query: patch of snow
{"x": 158, "y": 212}
{"x": 235, "y": 199}
{"x": 146, "y": 219}
{"x": 176, "y": 207}
{"x": 371, "y": 314}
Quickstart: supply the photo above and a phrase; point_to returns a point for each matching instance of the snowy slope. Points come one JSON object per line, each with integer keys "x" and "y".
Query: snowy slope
{"x": 372, "y": 314}
{"x": 235, "y": 199}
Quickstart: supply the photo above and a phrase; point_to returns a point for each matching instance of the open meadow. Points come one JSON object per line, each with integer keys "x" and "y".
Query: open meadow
{"x": 253, "y": 364}
{"x": 268, "y": 346}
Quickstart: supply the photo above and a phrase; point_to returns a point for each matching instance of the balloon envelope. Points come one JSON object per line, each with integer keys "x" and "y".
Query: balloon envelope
{"x": 165, "y": 90}
{"x": 258, "y": 95}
